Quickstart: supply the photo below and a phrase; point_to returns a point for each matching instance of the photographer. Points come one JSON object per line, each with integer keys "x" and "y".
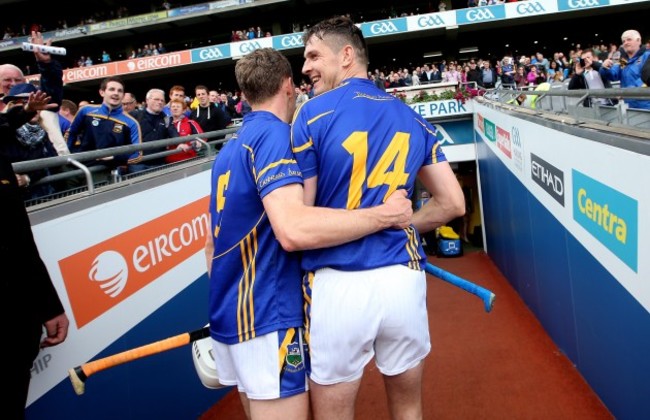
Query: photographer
{"x": 586, "y": 76}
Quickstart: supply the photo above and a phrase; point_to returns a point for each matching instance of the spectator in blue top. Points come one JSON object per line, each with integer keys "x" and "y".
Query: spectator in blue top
{"x": 104, "y": 126}
{"x": 634, "y": 57}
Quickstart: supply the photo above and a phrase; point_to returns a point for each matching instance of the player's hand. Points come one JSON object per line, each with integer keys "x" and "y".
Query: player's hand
{"x": 399, "y": 209}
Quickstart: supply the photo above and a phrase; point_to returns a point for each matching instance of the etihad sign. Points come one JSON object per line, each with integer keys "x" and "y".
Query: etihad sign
{"x": 105, "y": 274}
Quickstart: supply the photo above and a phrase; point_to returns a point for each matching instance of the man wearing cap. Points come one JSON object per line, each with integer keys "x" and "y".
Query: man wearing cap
{"x": 50, "y": 71}
{"x": 32, "y": 143}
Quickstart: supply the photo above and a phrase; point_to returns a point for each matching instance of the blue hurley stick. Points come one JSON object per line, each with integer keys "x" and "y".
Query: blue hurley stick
{"x": 486, "y": 296}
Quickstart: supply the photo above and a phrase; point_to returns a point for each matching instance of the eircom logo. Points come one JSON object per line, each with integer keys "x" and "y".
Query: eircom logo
{"x": 100, "y": 277}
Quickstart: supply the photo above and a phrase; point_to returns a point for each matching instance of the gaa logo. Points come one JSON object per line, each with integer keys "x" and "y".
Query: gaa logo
{"x": 580, "y": 4}
{"x": 383, "y": 28}
{"x": 210, "y": 54}
{"x": 575, "y": 4}
{"x": 249, "y": 47}
{"x": 516, "y": 137}
{"x": 477, "y": 15}
{"x": 430, "y": 21}
{"x": 291, "y": 41}
{"x": 529, "y": 8}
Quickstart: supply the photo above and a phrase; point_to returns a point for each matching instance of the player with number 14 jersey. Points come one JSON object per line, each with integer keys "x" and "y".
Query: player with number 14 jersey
{"x": 379, "y": 146}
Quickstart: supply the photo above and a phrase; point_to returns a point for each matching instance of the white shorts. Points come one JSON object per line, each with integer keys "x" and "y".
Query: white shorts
{"x": 355, "y": 316}
{"x": 267, "y": 367}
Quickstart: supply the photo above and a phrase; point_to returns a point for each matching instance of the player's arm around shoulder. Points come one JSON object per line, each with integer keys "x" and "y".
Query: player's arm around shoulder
{"x": 300, "y": 227}
{"x": 447, "y": 200}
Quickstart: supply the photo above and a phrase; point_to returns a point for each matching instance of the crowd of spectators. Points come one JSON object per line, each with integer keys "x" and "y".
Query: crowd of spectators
{"x": 89, "y": 58}
{"x": 509, "y": 71}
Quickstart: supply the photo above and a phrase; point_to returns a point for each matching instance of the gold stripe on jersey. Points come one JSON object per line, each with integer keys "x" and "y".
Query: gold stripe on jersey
{"x": 273, "y": 165}
{"x": 284, "y": 347}
{"x": 412, "y": 248}
{"x": 306, "y": 293}
{"x": 434, "y": 152}
{"x": 319, "y": 116}
{"x": 245, "y": 297}
{"x": 303, "y": 147}
{"x": 310, "y": 142}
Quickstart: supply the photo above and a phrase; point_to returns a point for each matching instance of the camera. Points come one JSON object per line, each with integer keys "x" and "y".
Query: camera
{"x": 582, "y": 62}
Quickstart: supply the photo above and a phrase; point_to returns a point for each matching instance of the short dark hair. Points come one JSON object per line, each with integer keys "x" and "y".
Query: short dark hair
{"x": 344, "y": 32}
{"x": 109, "y": 79}
{"x": 71, "y": 106}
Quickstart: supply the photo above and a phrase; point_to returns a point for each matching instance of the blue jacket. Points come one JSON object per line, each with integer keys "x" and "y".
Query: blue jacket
{"x": 629, "y": 75}
{"x": 98, "y": 127}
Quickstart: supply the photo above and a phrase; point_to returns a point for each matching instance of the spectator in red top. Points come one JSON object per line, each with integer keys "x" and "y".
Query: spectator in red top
{"x": 185, "y": 127}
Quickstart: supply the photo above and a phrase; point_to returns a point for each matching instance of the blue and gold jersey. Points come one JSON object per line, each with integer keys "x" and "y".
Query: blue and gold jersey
{"x": 96, "y": 127}
{"x": 363, "y": 144}
{"x": 255, "y": 286}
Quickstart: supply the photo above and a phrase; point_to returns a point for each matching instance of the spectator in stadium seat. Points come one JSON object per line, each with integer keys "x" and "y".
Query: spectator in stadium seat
{"x": 207, "y": 114}
{"x": 243, "y": 107}
{"x": 628, "y": 69}
{"x": 104, "y": 126}
{"x": 154, "y": 125}
{"x": 176, "y": 92}
{"x": 434, "y": 75}
{"x": 10, "y": 76}
{"x": 67, "y": 111}
{"x": 32, "y": 143}
{"x": 488, "y": 75}
{"x": 587, "y": 76}
{"x": 474, "y": 74}
{"x": 41, "y": 136}
{"x": 520, "y": 77}
{"x": 214, "y": 96}
{"x": 129, "y": 103}
{"x": 183, "y": 126}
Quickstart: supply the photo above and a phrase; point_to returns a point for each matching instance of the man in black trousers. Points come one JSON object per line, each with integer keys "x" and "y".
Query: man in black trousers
{"x": 31, "y": 305}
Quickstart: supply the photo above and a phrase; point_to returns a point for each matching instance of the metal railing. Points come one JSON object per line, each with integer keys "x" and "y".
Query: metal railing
{"x": 569, "y": 106}
{"x": 89, "y": 164}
